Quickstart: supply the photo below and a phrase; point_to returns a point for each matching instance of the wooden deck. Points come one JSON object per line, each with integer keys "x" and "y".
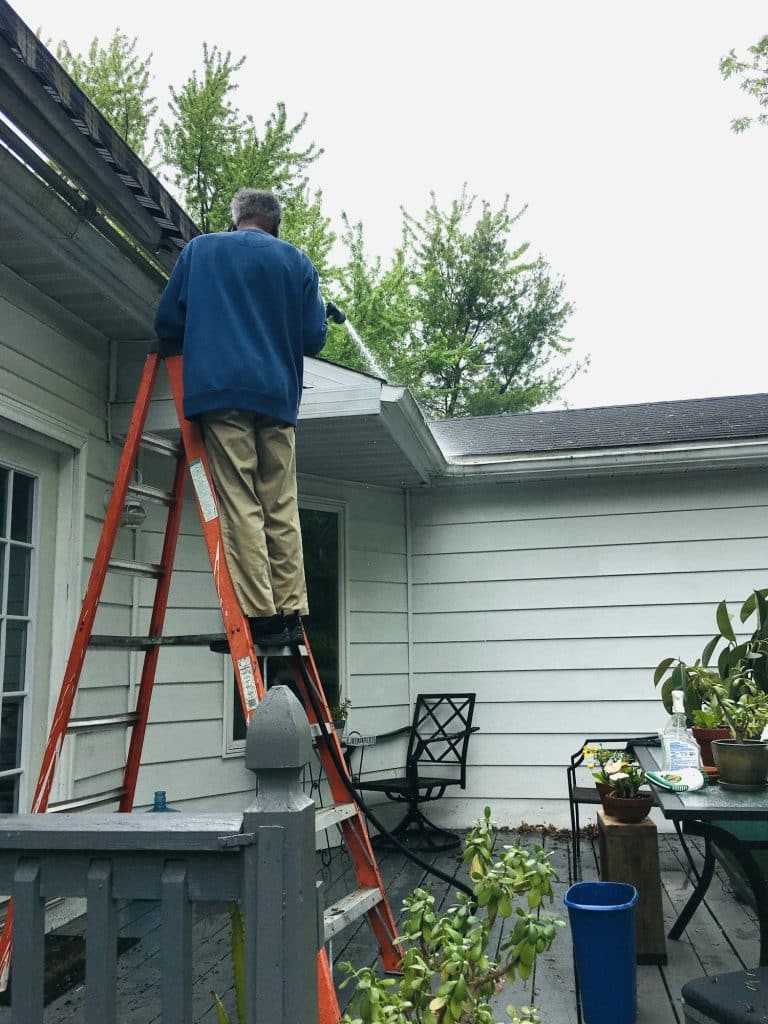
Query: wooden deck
{"x": 721, "y": 937}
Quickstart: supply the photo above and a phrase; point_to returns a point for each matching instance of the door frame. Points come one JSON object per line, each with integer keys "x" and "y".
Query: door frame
{"x": 71, "y": 445}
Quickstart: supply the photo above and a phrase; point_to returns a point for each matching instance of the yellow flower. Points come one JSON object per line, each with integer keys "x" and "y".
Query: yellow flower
{"x": 614, "y": 766}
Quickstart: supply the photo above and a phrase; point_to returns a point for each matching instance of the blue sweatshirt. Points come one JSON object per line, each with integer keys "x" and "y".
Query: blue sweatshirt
{"x": 246, "y": 307}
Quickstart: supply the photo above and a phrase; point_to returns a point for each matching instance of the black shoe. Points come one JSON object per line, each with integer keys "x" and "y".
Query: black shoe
{"x": 294, "y": 627}
{"x": 268, "y": 631}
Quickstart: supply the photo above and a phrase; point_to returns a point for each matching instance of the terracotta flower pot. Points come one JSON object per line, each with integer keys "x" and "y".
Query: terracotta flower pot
{"x": 628, "y": 808}
{"x": 704, "y": 738}
{"x": 603, "y": 789}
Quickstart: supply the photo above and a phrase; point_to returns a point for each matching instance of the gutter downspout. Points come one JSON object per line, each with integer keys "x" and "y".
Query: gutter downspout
{"x": 409, "y": 596}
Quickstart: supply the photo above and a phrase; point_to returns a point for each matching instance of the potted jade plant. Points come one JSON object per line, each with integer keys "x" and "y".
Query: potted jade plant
{"x": 743, "y": 706}
{"x": 740, "y": 665}
{"x": 625, "y": 801}
{"x": 340, "y": 714}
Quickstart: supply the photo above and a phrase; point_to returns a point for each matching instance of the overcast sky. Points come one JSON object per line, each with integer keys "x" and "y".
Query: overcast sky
{"x": 609, "y": 119}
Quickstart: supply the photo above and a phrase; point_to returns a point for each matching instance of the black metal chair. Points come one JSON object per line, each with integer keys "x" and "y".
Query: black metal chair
{"x": 587, "y": 794}
{"x": 438, "y": 740}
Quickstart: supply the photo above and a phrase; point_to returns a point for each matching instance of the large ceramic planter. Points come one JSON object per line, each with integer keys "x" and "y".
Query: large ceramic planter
{"x": 629, "y": 809}
{"x": 704, "y": 738}
{"x": 742, "y": 765}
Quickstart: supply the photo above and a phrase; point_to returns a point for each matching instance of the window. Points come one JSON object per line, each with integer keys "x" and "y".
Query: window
{"x": 321, "y": 538}
{"x": 17, "y": 496}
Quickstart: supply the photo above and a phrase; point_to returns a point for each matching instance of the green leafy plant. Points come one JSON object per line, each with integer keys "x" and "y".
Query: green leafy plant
{"x": 340, "y": 711}
{"x": 739, "y": 664}
{"x": 736, "y": 702}
{"x": 614, "y": 768}
{"x": 625, "y": 777}
{"x": 449, "y": 972}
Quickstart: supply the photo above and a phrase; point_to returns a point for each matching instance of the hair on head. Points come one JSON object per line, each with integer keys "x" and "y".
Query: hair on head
{"x": 257, "y": 205}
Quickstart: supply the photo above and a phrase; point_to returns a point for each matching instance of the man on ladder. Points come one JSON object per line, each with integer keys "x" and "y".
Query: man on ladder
{"x": 246, "y": 308}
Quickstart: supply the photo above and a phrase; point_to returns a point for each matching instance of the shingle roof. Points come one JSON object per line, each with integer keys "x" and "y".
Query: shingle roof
{"x": 614, "y": 426}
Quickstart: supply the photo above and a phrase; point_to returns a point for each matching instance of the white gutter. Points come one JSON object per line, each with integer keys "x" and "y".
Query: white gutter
{"x": 612, "y": 461}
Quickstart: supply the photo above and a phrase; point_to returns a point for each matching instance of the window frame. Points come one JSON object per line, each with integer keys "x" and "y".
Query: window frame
{"x": 24, "y": 695}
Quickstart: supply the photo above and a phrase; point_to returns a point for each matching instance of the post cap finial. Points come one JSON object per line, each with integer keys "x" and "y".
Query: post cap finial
{"x": 278, "y": 735}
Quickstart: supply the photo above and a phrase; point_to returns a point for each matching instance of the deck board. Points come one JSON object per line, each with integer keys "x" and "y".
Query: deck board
{"x": 722, "y": 936}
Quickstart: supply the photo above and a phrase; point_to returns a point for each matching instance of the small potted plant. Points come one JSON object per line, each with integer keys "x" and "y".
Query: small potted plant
{"x": 595, "y": 759}
{"x": 340, "y": 714}
{"x": 625, "y": 802}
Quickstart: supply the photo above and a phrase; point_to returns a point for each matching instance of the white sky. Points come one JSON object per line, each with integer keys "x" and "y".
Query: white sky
{"x": 609, "y": 119}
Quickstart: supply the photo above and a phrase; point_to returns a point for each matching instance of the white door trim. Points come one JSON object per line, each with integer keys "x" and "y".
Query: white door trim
{"x": 71, "y": 444}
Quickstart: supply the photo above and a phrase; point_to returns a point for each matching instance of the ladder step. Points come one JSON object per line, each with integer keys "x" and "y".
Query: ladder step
{"x": 149, "y": 569}
{"x": 107, "y": 641}
{"x": 161, "y": 445}
{"x": 316, "y": 730}
{"x": 327, "y": 817}
{"x": 348, "y": 909}
{"x": 125, "y": 718}
{"x": 152, "y": 494}
{"x": 95, "y": 800}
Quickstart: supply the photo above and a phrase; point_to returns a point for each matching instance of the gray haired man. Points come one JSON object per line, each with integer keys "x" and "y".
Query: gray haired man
{"x": 246, "y": 308}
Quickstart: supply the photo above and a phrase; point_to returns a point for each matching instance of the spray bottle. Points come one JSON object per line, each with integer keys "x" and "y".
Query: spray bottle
{"x": 680, "y": 748}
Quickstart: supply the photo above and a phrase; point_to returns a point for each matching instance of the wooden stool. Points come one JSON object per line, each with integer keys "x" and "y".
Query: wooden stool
{"x": 630, "y": 853}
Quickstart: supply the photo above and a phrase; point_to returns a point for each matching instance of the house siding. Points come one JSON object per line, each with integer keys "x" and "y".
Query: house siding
{"x": 554, "y": 602}
{"x": 56, "y": 368}
{"x": 185, "y": 736}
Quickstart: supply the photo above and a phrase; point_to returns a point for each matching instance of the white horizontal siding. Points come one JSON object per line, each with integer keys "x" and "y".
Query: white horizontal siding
{"x": 554, "y": 602}
{"x": 187, "y": 727}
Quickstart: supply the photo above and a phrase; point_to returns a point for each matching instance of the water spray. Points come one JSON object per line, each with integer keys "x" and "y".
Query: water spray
{"x": 332, "y": 312}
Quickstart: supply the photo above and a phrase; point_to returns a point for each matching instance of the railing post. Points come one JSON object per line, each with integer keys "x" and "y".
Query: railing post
{"x": 280, "y": 906}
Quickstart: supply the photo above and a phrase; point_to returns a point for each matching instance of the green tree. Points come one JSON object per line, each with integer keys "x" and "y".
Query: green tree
{"x": 460, "y": 316}
{"x": 212, "y": 149}
{"x": 117, "y": 80}
{"x": 488, "y": 337}
{"x": 753, "y": 80}
{"x": 379, "y": 303}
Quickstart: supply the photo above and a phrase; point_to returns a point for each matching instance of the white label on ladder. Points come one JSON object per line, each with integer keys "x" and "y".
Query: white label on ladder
{"x": 203, "y": 490}
{"x": 245, "y": 670}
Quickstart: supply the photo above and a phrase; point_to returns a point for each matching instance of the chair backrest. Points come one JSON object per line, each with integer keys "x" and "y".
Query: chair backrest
{"x": 440, "y": 731}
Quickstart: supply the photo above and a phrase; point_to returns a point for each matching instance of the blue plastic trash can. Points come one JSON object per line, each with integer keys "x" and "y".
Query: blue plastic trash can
{"x": 602, "y": 916}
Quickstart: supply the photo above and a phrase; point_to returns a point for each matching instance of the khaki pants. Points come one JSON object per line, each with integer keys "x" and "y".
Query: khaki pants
{"x": 253, "y": 465}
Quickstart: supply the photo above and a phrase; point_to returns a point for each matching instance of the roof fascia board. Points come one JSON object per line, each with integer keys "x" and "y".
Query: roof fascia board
{"x": 615, "y": 462}
{"x": 31, "y": 300}
{"x": 92, "y": 152}
{"x": 64, "y": 233}
{"x": 408, "y": 429}
{"x": 30, "y": 107}
{"x": 335, "y": 403}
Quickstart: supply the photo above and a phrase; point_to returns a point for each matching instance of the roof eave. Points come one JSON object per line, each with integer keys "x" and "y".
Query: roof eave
{"x": 628, "y": 461}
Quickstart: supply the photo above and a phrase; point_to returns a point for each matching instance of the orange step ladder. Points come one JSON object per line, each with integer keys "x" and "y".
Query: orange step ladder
{"x": 369, "y": 898}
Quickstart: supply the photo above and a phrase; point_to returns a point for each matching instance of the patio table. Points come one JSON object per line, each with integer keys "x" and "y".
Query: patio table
{"x": 707, "y": 813}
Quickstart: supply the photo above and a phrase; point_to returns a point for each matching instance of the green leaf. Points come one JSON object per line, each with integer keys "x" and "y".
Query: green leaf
{"x": 221, "y": 1014}
{"x": 706, "y": 654}
{"x": 238, "y": 958}
{"x": 723, "y": 620}
{"x": 661, "y": 668}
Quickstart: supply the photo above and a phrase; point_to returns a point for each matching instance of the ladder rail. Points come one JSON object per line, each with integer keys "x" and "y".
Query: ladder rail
{"x": 248, "y": 677}
{"x": 94, "y": 589}
{"x": 353, "y": 828}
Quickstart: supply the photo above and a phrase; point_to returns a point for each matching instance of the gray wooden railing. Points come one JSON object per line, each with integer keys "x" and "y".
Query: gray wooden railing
{"x": 263, "y": 858}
